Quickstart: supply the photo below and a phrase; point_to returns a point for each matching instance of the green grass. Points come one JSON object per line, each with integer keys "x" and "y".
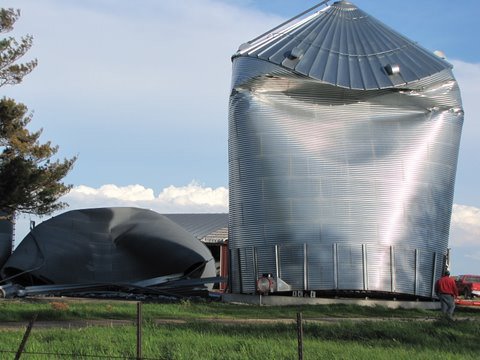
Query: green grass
{"x": 346, "y": 340}
{"x": 23, "y": 310}
{"x": 404, "y": 335}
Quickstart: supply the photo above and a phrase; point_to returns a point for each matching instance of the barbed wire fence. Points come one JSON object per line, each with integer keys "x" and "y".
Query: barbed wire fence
{"x": 21, "y": 348}
{"x": 139, "y": 348}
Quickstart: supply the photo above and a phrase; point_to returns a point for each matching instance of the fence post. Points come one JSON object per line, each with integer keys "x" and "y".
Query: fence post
{"x": 300, "y": 335}
{"x": 25, "y": 337}
{"x": 139, "y": 330}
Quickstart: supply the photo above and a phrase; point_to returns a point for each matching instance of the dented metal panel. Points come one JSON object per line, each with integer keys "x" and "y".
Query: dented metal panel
{"x": 366, "y": 172}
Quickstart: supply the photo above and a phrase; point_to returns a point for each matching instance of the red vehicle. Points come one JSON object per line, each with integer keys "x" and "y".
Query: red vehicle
{"x": 468, "y": 285}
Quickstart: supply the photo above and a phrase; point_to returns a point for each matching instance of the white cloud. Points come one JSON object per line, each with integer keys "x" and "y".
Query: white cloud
{"x": 130, "y": 193}
{"x": 190, "y": 198}
{"x": 195, "y": 195}
{"x": 465, "y": 226}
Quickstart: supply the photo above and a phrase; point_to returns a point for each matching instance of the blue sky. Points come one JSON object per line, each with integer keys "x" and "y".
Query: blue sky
{"x": 139, "y": 91}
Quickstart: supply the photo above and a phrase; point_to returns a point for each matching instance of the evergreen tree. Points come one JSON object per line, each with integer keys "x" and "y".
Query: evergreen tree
{"x": 11, "y": 50}
{"x": 30, "y": 180}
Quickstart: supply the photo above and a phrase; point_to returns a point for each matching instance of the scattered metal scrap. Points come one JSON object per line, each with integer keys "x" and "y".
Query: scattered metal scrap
{"x": 167, "y": 286}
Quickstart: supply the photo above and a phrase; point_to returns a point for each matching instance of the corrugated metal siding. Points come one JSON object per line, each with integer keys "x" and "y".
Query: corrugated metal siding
{"x": 314, "y": 164}
{"x": 405, "y": 271}
{"x": 379, "y": 268}
{"x": 359, "y": 181}
{"x": 425, "y": 274}
{"x": 321, "y": 267}
{"x": 350, "y": 267}
{"x": 247, "y": 268}
{"x": 343, "y": 267}
{"x": 234, "y": 271}
{"x": 266, "y": 260}
{"x": 292, "y": 265}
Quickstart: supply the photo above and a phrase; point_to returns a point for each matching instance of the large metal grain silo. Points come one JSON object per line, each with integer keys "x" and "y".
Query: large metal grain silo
{"x": 343, "y": 144}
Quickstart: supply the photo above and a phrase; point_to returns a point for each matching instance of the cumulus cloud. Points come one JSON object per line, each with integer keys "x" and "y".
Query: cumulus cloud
{"x": 190, "y": 198}
{"x": 130, "y": 193}
{"x": 465, "y": 226}
{"x": 195, "y": 195}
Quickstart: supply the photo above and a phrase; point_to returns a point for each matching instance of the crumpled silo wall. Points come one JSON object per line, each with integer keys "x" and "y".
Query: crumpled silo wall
{"x": 340, "y": 189}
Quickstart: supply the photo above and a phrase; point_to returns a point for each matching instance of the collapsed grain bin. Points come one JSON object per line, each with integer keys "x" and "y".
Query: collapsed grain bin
{"x": 107, "y": 246}
{"x": 343, "y": 146}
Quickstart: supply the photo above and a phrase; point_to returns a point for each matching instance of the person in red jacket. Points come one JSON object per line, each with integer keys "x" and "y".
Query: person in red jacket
{"x": 447, "y": 291}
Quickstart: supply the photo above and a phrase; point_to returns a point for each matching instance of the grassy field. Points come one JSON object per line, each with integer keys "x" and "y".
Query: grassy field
{"x": 359, "y": 332}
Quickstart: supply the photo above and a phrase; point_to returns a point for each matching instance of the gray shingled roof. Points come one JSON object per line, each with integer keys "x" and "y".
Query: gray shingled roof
{"x": 343, "y": 46}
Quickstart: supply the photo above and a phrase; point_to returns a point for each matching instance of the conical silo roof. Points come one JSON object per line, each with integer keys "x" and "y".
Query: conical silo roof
{"x": 343, "y": 46}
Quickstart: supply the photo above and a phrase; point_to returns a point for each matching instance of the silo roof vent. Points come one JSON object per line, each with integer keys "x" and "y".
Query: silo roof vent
{"x": 392, "y": 69}
{"x": 344, "y": 4}
{"x": 295, "y": 53}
